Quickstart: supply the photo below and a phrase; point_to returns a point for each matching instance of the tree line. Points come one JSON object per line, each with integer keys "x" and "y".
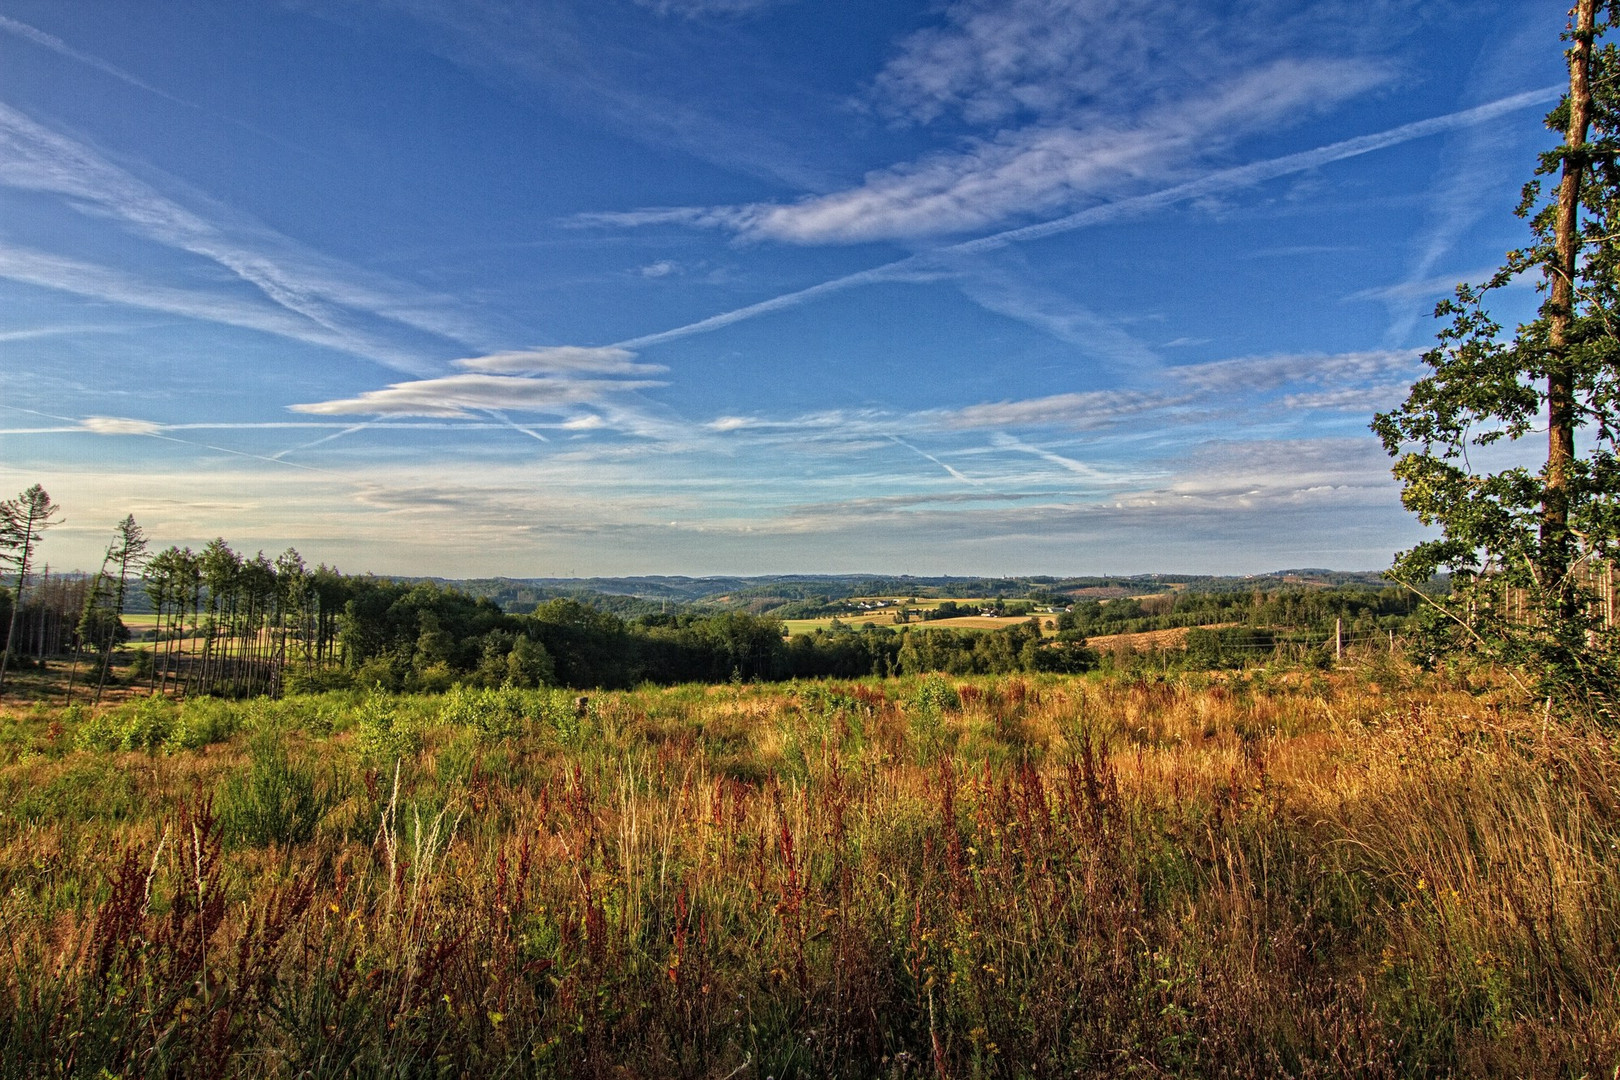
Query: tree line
{"x": 224, "y": 623}
{"x": 1356, "y": 610}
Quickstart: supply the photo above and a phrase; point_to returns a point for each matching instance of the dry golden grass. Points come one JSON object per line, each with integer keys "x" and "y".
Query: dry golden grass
{"x": 1265, "y": 873}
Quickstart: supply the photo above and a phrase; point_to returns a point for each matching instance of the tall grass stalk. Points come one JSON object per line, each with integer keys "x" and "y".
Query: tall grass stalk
{"x": 1271, "y": 873}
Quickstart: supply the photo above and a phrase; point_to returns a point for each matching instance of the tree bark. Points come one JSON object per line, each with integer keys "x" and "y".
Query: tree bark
{"x": 1556, "y": 553}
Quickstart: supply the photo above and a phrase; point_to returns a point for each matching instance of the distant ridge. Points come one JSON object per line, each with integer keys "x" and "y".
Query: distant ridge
{"x": 790, "y": 595}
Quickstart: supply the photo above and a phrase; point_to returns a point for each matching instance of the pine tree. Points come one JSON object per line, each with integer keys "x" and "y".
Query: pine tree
{"x": 128, "y": 552}
{"x": 22, "y": 520}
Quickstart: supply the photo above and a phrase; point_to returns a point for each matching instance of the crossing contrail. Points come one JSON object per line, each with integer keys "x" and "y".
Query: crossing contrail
{"x": 1223, "y": 180}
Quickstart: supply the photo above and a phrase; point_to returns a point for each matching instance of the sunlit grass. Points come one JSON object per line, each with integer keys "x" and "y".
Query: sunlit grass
{"x": 1283, "y": 873}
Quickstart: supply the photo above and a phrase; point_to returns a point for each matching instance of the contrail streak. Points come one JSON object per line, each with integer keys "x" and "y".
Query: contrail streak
{"x": 1223, "y": 180}
{"x": 350, "y": 430}
{"x": 62, "y": 48}
{"x": 960, "y": 476}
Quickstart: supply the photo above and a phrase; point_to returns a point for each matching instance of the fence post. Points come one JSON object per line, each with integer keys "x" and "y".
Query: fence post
{"x": 1338, "y": 639}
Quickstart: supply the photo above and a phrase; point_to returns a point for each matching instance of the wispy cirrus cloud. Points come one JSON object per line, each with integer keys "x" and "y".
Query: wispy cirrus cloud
{"x": 1036, "y": 169}
{"x": 1252, "y": 374}
{"x": 1075, "y": 411}
{"x": 697, "y": 9}
{"x": 64, "y": 274}
{"x": 333, "y": 304}
{"x": 1338, "y": 382}
{"x": 1357, "y": 400}
{"x": 119, "y": 425}
{"x": 1475, "y": 160}
{"x": 552, "y": 380}
{"x": 989, "y": 62}
{"x": 471, "y": 394}
{"x": 562, "y": 360}
{"x": 928, "y": 265}
{"x": 57, "y": 45}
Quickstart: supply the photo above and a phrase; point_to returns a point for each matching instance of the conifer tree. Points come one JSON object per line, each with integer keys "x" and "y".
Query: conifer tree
{"x": 22, "y": 520}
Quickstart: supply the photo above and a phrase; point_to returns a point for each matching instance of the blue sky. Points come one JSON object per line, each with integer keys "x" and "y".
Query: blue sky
{"x": 467, "y": 287}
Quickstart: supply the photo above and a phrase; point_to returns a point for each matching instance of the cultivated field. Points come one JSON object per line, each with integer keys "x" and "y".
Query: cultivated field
{"x": 1367, "y": 872}
{"x": 885, "y": 611}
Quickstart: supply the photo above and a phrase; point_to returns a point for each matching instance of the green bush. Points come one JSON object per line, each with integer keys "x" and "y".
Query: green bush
{"x": 276, "y": 802}
{"x": 490, "y": 714}
{"x": 935, "y": 696}
{"x": 296, "y": 680}
{"x": 557, "y": 709}
{"x": 933, "y": 699}
{"x": 382, "y": 732}
{"x": 100, "y": 732}
{"x": 202, "y": 722}
{"x": 145, "y": 725}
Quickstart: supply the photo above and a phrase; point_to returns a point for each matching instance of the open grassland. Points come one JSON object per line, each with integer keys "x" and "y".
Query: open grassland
{"x": 1368, "y": 873}
{"x": 889, "y": 614}
{"x": 887, "y": 618}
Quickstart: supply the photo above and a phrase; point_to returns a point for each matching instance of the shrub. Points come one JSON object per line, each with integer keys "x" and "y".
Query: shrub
{"x": 295, "y": 680}
{"x": 559, "y": 710}
{"x": 99, "y": 732}
{"x": 934, "y": 696}
{"x": 383, "y": 734}
{"x": 933, "y": 699}
{"x": 276, "y": 802}
{"x": 488, "y": 713}
{"x": 201, "y": 722}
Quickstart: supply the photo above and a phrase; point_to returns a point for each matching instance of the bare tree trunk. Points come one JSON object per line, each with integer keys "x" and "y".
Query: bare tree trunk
{"x": 1556, "y": 551}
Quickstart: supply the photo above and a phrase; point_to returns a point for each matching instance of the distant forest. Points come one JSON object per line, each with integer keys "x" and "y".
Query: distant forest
{"x": 219, "y": 622}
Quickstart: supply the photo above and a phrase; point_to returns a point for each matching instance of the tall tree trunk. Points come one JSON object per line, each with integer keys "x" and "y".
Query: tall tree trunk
{"x": 1556, "y": 548}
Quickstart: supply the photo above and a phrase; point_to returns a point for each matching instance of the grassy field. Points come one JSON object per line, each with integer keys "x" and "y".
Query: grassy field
{"x": 880, "y": 618}
{"x": 886, "y": 616}
{"x": 1369, "y": 872}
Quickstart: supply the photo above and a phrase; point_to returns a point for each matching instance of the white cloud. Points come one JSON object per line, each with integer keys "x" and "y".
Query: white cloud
{"x": 1077, "y": 411}
{"x": 1049, "y": 167}
{"x": 925, "y": 266}
{"x": 1279, "y": 471}
{"x": 119, "y": 425}
{"x": 1036, "y": 169}
{"x": 1237, "y": 506}
{"x": 560, "y": 360}
{"x": 1407, "y": 296}
{"x": 992, "y": 61}
{"x": 1362, "y": 400}
{"x": 467, "y": 395}
{"x": 1349, "y": 382}
{"x": 1261, "y": 373}
{"x": 995, "y": 61}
